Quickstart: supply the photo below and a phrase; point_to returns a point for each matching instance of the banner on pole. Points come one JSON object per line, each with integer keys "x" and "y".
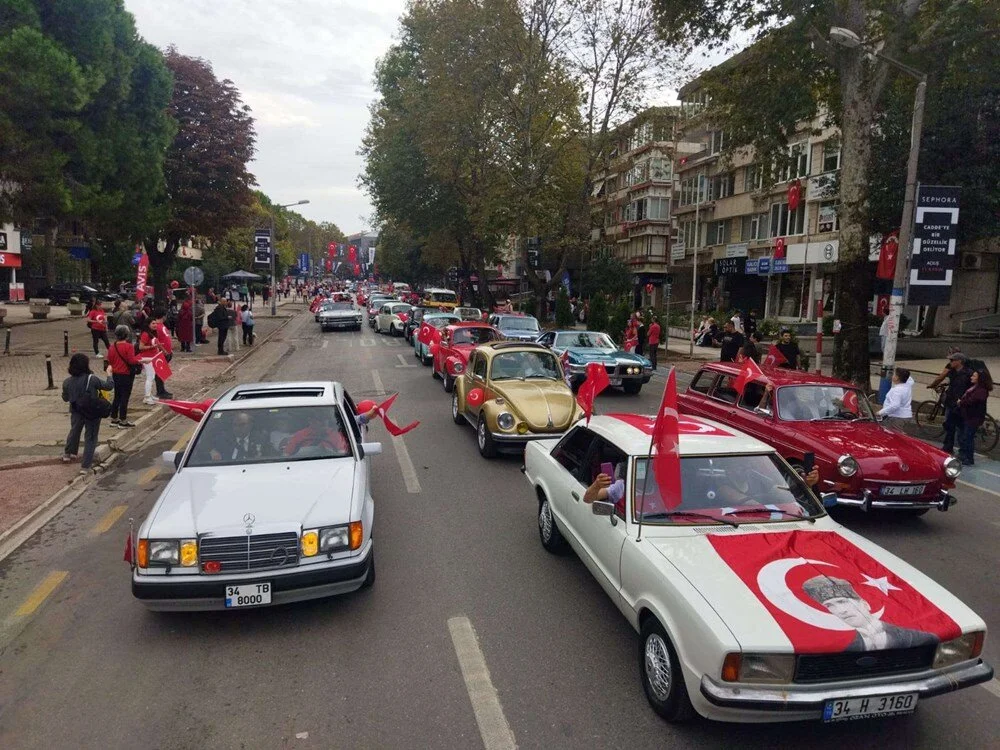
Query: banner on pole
{"x": 935, "y": 239}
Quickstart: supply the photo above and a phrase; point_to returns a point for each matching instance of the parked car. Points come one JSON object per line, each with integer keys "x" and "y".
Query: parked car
{"x": 339, "y": 315}
{"x": 578, "y": 349}
{"x": 60, "y": 293}
{"x": 437, "y": 321}
{"x": 413, "y": 321}
{"x": 865, "y": 464}
{"x": 375, "y": 303}
{"x": 750, "y": 602}
{"x": 522, "y": 396}
{"x": 457, "y": 342}
{"x": 516, "y": 327}
{"x": 443, "y": 299}
{"x": 216, "y": 538}
{"x": 391, "y": 318}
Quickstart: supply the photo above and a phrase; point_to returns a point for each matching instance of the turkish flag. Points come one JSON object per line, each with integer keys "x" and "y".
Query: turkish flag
{"x": 851, "y": 402}
{"x": 882, "y": 305}
{"x": 667, "y": 445}
{"x": 390, "y": 426}
{"x": 352, "y": 254}
{"x": 887, "y": 256}
{"x": 191, "y": 409}
{"x": 597, "y": 380}
{"x": 129, "y": 555}
{"x": 828, "y": 595}
{"x": 774, "y": 357}
{"x": 424, "y": 334}
{"x": 794, "y": 195}
{"x": 779, "y": 248}
{"x": 161, "y": 367}
{"x": 749, "y": 373}
{"x": 331, "y": 248}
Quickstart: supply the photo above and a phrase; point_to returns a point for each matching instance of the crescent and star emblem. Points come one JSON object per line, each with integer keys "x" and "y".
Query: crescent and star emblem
{"x": 773, "y": 585}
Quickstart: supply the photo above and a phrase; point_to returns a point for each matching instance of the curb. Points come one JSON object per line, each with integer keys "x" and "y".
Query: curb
{"x": 25, "y": 528}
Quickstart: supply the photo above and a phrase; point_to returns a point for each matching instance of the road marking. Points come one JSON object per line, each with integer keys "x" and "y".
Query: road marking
{"x": 153, "y": 471}
{"x": 326, "y": 343}
{"x": 493, "y": 726}
{"x": 110, "y": 519}
{"x": 977, "y": 487}
{"x": 993, "y": 686}
{"x": 991, "y": 473}
{"x": 368, "y": 342}
{"x": 403, "y": 362}
{"x": 402, "y": 454}
{"x": 49, "y": 584}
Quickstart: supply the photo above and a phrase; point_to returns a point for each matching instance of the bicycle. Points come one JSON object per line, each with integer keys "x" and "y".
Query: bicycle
{"x": 929, "y": 416}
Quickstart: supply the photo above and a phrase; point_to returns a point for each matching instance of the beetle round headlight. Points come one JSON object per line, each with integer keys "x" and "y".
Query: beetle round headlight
{"x": 505, "y": 420}
{"x": 457, "y": 368}
{"x": 952, "y": 467}
{"x": 847, "y": 466}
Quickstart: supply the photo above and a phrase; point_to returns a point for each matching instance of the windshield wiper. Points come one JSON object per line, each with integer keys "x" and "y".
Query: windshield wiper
{"x": 828, "y": 416}
{"x": 546, "y": 377}
{"x": 762, "y": 510}
{"x": 690, "y": 514}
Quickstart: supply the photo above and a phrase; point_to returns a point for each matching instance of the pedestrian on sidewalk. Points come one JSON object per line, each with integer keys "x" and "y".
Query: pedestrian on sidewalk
{"x": 640, "y": 334}
{"x": 248, "y": 323}
{"x": 973, "y": 407}
{"x": 253, "y": 295}
{"x": 266, "y": 294}
{"x": 199, "y": 319}
{"x": 654, "y": 340}
{"x": 751, "y": 347}
{"x": 244, "y": 293}
{"x": 236, "y": 323}
{"x": 149, "y": 347}
{"x": 897, "y": 408}
{"x": 166, "y": 344}
{"x": 959, "y": 378}
{"x": 185, "y": 326}
{"x": 80, "y": 388}
{"x": 731, "y": 343}
{"x": 219, "y": 320}
{"x": 125, "y": 365}
{"x": 97, "y": 322}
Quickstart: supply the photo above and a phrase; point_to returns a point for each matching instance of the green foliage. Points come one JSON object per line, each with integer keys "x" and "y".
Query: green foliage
{"x": 769, "y": 328}
{"x": 618, "y": 321}
{"x": 606, "y": 274}
{"x": 564, "y": 313}
{"x": 597, "y": 314}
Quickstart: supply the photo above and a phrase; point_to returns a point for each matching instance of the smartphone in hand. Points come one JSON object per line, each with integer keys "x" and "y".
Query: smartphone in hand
{"x": 808, "y": 461}
{"x": 608, "y": 468}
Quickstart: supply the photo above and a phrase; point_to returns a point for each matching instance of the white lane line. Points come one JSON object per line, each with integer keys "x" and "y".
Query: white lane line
{"x": 402, "y": 455}
{"x": 368, "y": 342}
{"x": 993, "y": 686}
{"x": 991, "y": 473}
{"x": 493, "y": 726}
{"x": 977, "y": 487}
{"x": 403, "y": 362}
{"x": 325, "y": 344}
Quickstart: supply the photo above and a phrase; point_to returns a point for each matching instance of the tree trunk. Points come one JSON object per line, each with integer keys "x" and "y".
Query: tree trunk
{"x": 159, "y": 265}
{"x": 927, "y": 331}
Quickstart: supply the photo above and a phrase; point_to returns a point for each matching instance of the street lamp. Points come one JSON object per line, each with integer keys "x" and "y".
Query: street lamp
{"x": 850, "y": 40}
{"x": 274, "y": 288}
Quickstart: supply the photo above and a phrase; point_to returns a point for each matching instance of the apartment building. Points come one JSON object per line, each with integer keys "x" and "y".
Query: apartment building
{"x": 632, "y": 200}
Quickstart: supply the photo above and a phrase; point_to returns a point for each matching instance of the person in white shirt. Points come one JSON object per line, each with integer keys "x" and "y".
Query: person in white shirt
{"x": 896, "y": 409}
{"x": 737, "y": 321}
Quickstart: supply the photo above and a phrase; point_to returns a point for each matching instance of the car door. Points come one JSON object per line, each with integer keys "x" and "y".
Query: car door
{"x": 602, "y": 537}
{"x": 547, "y": 339}
{"x": 722, "y": 400}
{"x": 442, "y": 352}
{"x": 477, "y": 379}
{"x": 568, "y": 486}
{"x": 695, "y": 400}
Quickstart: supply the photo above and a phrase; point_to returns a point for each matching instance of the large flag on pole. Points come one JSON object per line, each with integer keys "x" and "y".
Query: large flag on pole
{"x": 666, "y": 446}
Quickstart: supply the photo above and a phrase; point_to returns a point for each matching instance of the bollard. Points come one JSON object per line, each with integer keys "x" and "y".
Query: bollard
{"x": 6, "y": 343}
{"x": 65, "y": 343}
{"x": 48, "y": 371}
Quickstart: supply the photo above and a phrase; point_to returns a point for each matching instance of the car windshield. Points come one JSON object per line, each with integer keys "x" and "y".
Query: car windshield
{"x": 256, "y": 436}
{"x": 473, "y": 335}
{"x": 442, "y": 322}
{"x": 800, "y": 403}
{"x": 468, "y": 313}
{"x": 727, "y": 489}
{"x": 519, "y": 324}
{"x": 443, "y": 297}
{"x": 525, "y": 365}
{"x": 340, "y": 307}
{"x": 396, "y": 309}
{"x": 584, "y": 340}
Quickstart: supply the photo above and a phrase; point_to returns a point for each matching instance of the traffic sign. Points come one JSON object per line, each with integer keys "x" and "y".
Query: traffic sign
{"x": 193, "y": 276}
{"x": 262, "y": 247}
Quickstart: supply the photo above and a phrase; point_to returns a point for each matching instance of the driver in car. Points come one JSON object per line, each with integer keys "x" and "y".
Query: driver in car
{"x": 317, "y": 433}
{"x": 241, "y": 443}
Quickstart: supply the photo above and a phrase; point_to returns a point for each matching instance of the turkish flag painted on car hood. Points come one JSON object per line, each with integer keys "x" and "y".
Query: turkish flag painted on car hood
{"x": 816, "y": 591}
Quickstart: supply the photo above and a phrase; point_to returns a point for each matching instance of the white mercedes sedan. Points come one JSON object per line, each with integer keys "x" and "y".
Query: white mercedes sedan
{"x": 752, "y": 604}
{"x": 270, "y": 503}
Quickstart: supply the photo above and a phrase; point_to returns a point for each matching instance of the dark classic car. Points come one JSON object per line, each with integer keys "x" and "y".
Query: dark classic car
{"x": 860, "y": 462}
{"x": 60, "y": 294}
{"x": 579, "y": 348}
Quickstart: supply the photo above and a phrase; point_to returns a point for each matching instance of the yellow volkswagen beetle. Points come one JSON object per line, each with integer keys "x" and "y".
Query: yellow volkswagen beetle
{"x": 513, "y": 392}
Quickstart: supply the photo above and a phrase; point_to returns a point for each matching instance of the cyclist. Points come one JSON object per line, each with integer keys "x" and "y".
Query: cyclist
{"x": 958, "y": 376}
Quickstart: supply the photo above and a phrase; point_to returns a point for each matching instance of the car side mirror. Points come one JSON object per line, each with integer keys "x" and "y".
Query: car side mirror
{"x": 601, "y": 508}
{"x": 172, "y": 458}
{"x": 829, "y": 499}
{"x": 371, "y": 449}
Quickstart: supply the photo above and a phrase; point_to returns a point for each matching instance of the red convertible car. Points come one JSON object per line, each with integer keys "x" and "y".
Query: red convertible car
{"x": 457, "y": 342}
{"x": 860, "y": 462}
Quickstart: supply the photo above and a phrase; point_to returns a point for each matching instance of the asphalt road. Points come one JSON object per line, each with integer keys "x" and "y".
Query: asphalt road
{"x": 84, "y": 665}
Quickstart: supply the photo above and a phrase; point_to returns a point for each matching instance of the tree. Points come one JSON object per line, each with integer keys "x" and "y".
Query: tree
{"x": 799, "y": 72}
{"x": 597, "y": 314}
{"x": 564, "y": 312}
{"x": 606, "y": 274}
{"x": 208, "y": 183}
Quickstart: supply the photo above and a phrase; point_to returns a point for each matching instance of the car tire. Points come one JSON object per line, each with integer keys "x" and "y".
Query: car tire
{"x": 449, "y": 383}
{"x": 662, "y": 678}
{"x": 632, "y": 388}
{"x": 548, "y": 532}
{"x": 484, "y": 440}
{"x": 370, "y": 578}
{"x": 456, "y": 415}
{"x": 434, "y": 371}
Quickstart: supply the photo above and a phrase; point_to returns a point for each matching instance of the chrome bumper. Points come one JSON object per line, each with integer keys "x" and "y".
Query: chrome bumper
{"x": 793, "y": 698}
{"x": 505, "y": 438}
{"x": 868, "y": 501}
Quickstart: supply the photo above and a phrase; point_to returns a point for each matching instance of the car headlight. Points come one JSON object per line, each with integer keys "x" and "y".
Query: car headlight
{"x": 759, "y": 668}
{"x": 952, "y": 467}
{"x": 960, "y": 649}
{"x": 189, "y": 553}
{"x": 341, "y": 538}
{"x": 457, "y": 368}
{"x": 847, "y": 466}
{"x": 505, "y": 420}
{"x": 164, "y": 552}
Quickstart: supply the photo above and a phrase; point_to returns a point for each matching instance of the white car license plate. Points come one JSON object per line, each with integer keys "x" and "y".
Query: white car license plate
{"x": 852, "y": 709}
{"x": 615, "y": 381}
{"x": 903, "y": 490}
{"x": 248, "y": 595}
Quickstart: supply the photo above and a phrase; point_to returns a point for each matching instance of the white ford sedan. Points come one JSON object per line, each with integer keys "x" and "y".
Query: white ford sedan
{"x": 751, "y": 603}
{"x": 270, "y": 503}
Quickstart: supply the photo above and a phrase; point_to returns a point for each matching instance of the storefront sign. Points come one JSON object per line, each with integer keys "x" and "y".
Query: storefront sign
{"x": 3, "y": 242}
{"x": 729, "y": 266}
{"x": 935, "y": 239}
{"x": 677, "y": 249}
{"x": 10, "y": 260}
{"x": 738, "y": 250}
{"x": 779, "y": 265}
{"x": 763, "y": 266}
{"x": 751, "y": 267}
{"x": 820, "y": 187}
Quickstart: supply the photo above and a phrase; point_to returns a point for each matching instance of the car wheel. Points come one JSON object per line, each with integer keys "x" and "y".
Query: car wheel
{"x": 548, "y": 532}
{"x": 370, "y": 578}
{"x": 426, "y": 360}
{"x": 456, "y": 415}
{"x": 662, "y": 678}
{"x": 434, "y": 369}
{"x": 487, "y": 448}
{"x": 449, "y": 383}
{"x": 632, "y": 388}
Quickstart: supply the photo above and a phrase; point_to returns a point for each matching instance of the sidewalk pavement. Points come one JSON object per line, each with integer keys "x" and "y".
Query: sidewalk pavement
{"x": 34, "y": 420}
